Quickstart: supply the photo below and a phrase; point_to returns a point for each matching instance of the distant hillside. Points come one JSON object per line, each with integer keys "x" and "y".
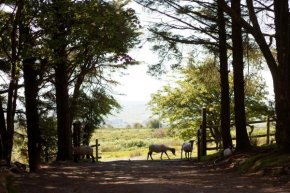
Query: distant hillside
{"x": 133, "y": 111}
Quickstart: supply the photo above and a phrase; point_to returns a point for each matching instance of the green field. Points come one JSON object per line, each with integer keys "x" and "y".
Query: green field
{"x": 125, "y": 144}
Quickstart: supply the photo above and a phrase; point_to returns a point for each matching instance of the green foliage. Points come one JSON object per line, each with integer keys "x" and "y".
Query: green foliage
{"x": 93, "y": 108}
{"x": 136, "y": 143}
{"x": 199, "y": 86}
{"x": 154, "y": 124}
{"x": 48, "y": 129}
{"x": 137, "y": 125}
{"x": 88, "y": 38}
{"x": 187, "y": 134}
{"x": 120, "y": 143}
{"x": 20, "y": 149}
{"x": 95, "y": 32}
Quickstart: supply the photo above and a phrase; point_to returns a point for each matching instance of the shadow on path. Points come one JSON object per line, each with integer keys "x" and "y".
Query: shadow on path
{"x": 139, "y": 176}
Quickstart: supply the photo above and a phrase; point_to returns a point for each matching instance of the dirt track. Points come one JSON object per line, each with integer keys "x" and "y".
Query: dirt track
{"x": 141, "y": 176}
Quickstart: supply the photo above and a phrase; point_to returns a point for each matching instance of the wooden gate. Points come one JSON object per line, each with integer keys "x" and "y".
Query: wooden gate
{"x": 202, "y": 133}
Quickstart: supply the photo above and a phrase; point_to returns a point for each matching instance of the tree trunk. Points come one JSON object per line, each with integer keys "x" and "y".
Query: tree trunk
{"x": 63, "y": 113}
{"x": 224, "y": 73}
{"x": 1, "y": 149}
{"x": 243, "y": 141}
{"x": 32, "y": 116}
{"x": 61, "y": 82}
{"x": 282, "y": 78}
{"x": 3, "y": 132}
{"x": 74, "y": 103}
{"x": 13, "y": 85}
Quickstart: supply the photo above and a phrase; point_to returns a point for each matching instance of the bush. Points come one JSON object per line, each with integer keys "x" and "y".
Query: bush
{"x": 138, "y": 144}
{"x": 159, "y": 133}
{"x": 137, "y": 126}
{"x": 153, "y": 124}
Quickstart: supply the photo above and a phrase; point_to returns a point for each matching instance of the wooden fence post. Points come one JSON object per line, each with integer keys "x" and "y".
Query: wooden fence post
{"x": 97, "y": 150}
{"x": 268, "y": 130}
{"x": 74, "y": 134}
{"x": 78, "y": 133}
{"x": 203, "y": 132}
{"x": 198, "y": 145}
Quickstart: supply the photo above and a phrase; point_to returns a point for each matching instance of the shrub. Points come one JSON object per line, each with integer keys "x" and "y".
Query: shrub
{"x": 159, "y": 133}
{"x": 138, "y": 144}
{"x": 154, "y": 124}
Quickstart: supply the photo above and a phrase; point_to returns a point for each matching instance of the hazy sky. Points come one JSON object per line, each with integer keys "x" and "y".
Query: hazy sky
{"x": 136, "y": 87}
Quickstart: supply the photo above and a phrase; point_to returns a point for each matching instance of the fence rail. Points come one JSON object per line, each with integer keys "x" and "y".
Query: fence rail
{"x": 201, "y": 134}
{"x": 97, "y": 150}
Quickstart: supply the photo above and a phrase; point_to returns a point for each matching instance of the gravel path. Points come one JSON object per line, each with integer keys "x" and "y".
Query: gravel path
{"x": 142, "y": 176}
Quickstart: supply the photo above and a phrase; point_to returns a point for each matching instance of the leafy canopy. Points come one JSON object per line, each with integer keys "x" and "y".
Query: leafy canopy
{"x": 199, "y": 86}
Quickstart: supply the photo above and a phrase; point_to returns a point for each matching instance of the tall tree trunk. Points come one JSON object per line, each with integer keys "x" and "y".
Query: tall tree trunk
{"x": 13, "y": 85}
{"x": 282, "y": 78}
{"x": 3, "y": 132}
{"x": 61, "y": 82}
{"x": 74, "y": 102}
{"x": 224, "y": 73}
{"x": 243, "y": 141}
{"x": 63, "y": 113}
{"x": 32, "y": 116}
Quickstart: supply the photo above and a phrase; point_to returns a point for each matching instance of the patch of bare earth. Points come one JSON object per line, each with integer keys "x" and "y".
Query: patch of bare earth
{"x": 143, "y": 176}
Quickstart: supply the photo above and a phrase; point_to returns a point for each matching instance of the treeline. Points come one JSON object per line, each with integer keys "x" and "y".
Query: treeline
{"x": 231, "y": 32}
{"x": 60, "y": 54}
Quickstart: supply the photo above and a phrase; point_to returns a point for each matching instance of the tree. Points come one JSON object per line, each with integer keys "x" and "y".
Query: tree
{"x": 2, "y": 131}
{"x": 196, "y": 17}
{"x": 31, "y": 70}
{"x": 48, "y": 127}
{"x": 18, "y": 54}
{"x": 180, "y": 106}
{"x": 243, "y": 141}
{"x": 154, "y": 124}
{"x": 85, "y": 38}
{"x": 10, "y": 55}
{"x": 64, "y": 41}
{"x": 93, "y": 108}
{"x": 137, "y": 125}
{"x": 224, "y": 74}
{"x": 278, "y": 68}
{"x": 102, "y": 49}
